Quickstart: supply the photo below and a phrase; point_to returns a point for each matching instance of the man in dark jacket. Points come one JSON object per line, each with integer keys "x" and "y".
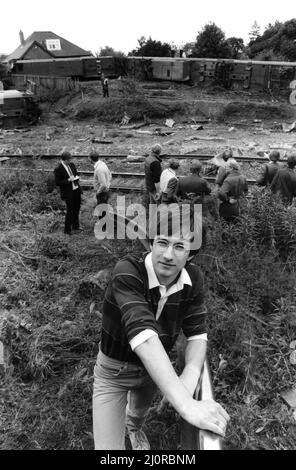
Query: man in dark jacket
{"x": 270, "y": 169}
{"x": 284, "y": 182}
{"x": 193, "y": 188}
{"x": 152, "y": 174}
{"x": 233, "y": 188}
{"x": 227, "y": 156}
{"x": 66, "y": 177}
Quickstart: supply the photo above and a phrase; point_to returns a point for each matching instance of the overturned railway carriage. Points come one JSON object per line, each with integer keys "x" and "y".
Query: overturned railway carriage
{"x": 239, "y": 74}
{"x": 17, "y": 107}
{"x": 77, "y": 67}
{"x": 273, "y": 76}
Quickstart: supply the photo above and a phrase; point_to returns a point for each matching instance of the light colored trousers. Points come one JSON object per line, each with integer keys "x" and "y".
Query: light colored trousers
{"x": 122, "y": 395}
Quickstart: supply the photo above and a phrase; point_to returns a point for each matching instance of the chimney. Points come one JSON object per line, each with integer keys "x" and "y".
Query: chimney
{"x": 22, "y": 37}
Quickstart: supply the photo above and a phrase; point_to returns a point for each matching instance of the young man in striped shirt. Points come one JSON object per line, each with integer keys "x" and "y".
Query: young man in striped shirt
{"x": 147, "y": 303}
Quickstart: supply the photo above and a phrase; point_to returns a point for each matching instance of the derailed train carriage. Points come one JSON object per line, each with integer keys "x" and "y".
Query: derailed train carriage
{"x": 17, "y": 107}
{"x": 229, "y": 73}
{"x": 82, "y": 68}
{"x": 275, "y": 77}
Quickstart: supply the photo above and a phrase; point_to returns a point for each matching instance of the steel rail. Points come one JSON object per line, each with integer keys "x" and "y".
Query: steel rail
{"x": 122, "y": 175}
{"x": 202, "y": 157}
{"x": 193, "y": 438}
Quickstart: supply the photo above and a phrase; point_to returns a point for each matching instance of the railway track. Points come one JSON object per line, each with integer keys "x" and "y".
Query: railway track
{"x": 121, "y": 181}
{"x": 201, "y": 157}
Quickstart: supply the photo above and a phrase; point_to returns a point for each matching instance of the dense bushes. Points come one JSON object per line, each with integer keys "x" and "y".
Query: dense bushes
{"x": 250, "y": 275}
{"x": 24, "y": 192}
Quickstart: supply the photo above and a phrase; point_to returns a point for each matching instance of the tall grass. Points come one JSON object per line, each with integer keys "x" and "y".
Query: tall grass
{"x": 52, "y": 333}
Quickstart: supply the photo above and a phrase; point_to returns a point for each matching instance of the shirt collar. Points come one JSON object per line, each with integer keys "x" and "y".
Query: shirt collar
{"x": 65, "y": 165}
{"x": 184, "y": 277}
{"x": 97, "y": 163}
{"x": 172, "y": 171}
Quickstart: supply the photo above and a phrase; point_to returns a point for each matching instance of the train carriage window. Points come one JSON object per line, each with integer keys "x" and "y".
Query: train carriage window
{"x": 168, "y": 73}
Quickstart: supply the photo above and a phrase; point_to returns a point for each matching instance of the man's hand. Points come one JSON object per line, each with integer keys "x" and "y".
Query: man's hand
{"x": 207, "y": 414}
{"x": 232, "y": 200}
{"x": 71, "y": 178}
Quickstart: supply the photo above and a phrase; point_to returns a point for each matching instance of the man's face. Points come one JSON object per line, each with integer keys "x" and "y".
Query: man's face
{"x": 169, "y": 256}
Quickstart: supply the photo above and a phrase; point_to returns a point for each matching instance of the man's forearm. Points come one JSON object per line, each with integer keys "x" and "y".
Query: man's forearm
{"x": 205, "y": 414}
{"x": 160, "y": 369}
{"x": 195, "y": 354}
{"x": 157, "y": 187}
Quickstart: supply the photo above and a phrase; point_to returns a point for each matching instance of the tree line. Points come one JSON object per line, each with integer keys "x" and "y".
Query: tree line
{"x": 277, "y": 42}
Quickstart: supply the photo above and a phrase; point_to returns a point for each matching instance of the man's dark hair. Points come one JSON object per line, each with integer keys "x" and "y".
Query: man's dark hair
{"x": 291, "y": 160}
{"x": 174, "y": 164}
{"x": 94, "y": 156}
{"x": 227, "y": 154}
{"x": 195, "y": 167}
{"x": 274, "y": 155}
{"x": 66, "y": 156}
{"x": 176, "y": 219}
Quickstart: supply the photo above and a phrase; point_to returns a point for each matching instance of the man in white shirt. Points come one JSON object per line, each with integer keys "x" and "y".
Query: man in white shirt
{"x": 148, "y": 301}
{"x": 102, "y": 178}
{"x": 168, "y": 182}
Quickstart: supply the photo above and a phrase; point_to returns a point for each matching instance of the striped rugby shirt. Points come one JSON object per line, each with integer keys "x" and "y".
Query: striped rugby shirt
{"x": 136, "y": 307}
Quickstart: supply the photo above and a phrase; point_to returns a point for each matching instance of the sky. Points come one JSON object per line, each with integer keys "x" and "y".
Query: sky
{"x": 92, "y": 24}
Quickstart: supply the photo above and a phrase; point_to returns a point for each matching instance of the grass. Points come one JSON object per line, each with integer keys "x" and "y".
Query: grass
{"x": 255, "y": 110}
{"x": 52, "y": 295}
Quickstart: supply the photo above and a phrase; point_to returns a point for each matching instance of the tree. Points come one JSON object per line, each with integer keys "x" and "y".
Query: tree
{"x": 109, "y": 51}
{"x": 211, "y": 43}
{"x": 278, "y": 42}
{"x": 188, "y": 48}
{"x": 236, "y": 46}
{"x": 255, "y": 32}
{"x": 151, "y": 48}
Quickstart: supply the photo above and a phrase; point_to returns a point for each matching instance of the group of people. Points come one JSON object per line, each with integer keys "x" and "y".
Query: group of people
{"x": 164, "y": 185}
{"x": 66, "y": 177}
{"x": 151, "y": 298}
{"x": 280, "y": 179}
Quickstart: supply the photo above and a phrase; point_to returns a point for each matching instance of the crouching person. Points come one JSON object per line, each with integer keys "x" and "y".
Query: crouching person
{"x": 148, "y": 301}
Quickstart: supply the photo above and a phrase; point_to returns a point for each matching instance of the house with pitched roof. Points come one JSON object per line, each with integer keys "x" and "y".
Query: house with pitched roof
{"x": 45, "y": 45}
{"x": 44, "y": 53}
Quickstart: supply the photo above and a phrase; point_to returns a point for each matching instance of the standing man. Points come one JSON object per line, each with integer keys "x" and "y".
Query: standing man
{"x": 147, "y": 302}
{"x": 102, "y": 178}
{"x": 227, "y": 156}
{"x": 168, "y": 182}
{"x": 233, "y": 188}
{"x": 66, "y": 177}
{"x": 152, "y": 175}
{"x": 193, "y": 187}
{"x": 105, "y": 88}
{"x": 284, "y": 182}
{"x": 270, "y": 169}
